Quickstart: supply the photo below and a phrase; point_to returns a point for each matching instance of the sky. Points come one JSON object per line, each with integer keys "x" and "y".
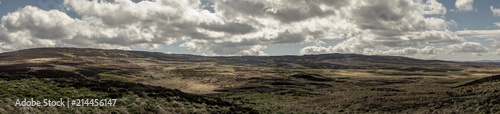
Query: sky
{"x": 423, "y": 29}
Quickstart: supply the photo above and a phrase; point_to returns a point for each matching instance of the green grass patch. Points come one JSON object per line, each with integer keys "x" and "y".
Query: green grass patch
{"x": 67, "y": 54}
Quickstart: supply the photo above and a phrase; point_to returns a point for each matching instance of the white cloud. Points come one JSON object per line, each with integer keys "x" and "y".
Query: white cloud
{"x": 495, "y": 11}
{"x": 394, "y": 24}
{"x": 254, "y": 50}
{"x": 426, "y": 52}
{"x": 40, "y": 24}
{"x": 393, "y": 19}
{"x": 466, "y": 47}
{"x": 431, "y": 7}
{"x": 237, "y": 27}
{"x": 405, "y": 51}
{"x": 494, "y": 42}
{"x": 316, "y": 50}
{"x": 371, "y": 51}
{"x": 464, "y": 5}
{"x": 480, "y": 33}
{"x": 492, "y": 36}
{"x": 497, "y": 24}
{"x": 121, "y": 24}
{"x": 409, "y": 51}
{"x": 360, "y": 43}
{"x": 32, "y": 27}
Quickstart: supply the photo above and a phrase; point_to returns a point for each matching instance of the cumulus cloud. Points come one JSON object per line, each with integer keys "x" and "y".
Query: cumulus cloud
{"x": 395, "y": 23}
{"x": 496, "y": 11}
{"x": 237, "y": 27}
{"x": 428, "y": 51}
{"x": 361, "y": 43}
{"x": 316, "y": 50}
{"x": 431, "y": 7}
{"x": 227, "y": 31}
{"x": 494, "y": 42}
{"x": 466, "y": 47}
{"x": 470, "y": 47}
{"x": 464, "y": 5}
{"x": 40, "y": 24}
{"x": 370, "y": 51}
{"x": 492, "y": 36}
{"x": 405, "y": 51}
{"x": 121, "y": 24}
{"x": 284, "y": 11}
{"x": 32, "y": 27}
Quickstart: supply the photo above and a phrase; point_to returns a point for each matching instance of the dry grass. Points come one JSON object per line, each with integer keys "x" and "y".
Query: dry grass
{"x": 293, "y": 84}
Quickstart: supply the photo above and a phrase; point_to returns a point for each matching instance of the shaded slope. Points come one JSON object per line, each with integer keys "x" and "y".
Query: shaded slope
{"x": 482, "y": 80}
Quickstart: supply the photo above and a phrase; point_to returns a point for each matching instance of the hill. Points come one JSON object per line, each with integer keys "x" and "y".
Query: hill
{"x": 153, "y": 82}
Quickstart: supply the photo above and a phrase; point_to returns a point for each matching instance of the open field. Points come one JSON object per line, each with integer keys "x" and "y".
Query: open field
{"x": 148, "y": 82}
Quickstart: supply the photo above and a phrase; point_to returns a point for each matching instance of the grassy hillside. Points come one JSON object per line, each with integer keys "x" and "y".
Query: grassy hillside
{"x": 152, "y": 82}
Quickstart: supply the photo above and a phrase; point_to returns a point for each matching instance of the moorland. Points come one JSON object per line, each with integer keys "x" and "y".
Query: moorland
{"x": 154, "y": 82}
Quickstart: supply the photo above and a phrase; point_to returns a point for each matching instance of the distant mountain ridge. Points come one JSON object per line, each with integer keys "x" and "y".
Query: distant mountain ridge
{"x": 322, "y": 61}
